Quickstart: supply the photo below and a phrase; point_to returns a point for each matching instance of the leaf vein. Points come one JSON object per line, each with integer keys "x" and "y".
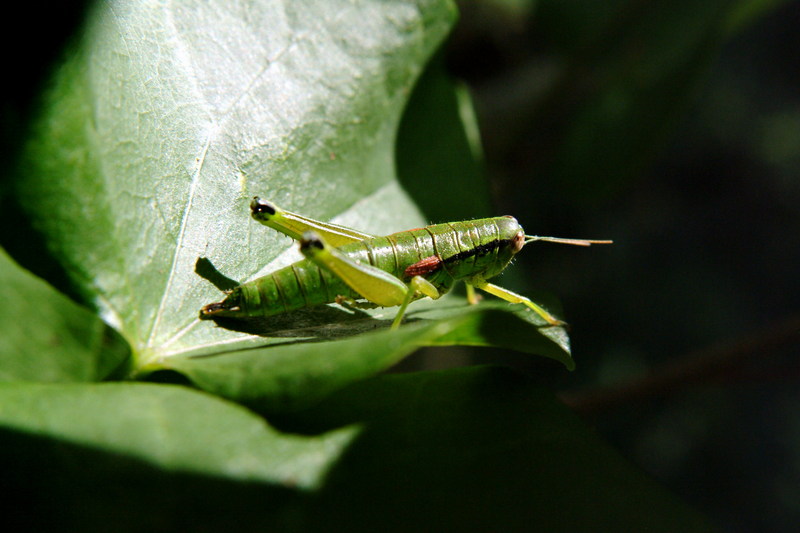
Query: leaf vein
{"x": 179, "y": 246}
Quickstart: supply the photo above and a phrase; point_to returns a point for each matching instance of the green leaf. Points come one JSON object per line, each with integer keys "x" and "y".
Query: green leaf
{"x": 438, "y": 150}
{"x": 164, "y": 122}
{"x": 48, "y": 337}
{"x": 170, "y": 428}
{"x": 478, "y": 449}
{"x": 297, "y": 373}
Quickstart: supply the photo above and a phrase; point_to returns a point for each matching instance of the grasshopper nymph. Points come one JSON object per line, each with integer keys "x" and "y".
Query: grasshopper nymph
{"x": 347, "y": 266}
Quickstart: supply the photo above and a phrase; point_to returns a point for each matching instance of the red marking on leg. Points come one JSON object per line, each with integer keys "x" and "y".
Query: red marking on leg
{"x": 423, "y": 267}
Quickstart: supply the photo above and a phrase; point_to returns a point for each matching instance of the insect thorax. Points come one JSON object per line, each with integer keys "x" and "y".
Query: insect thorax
{"x": 443, "y": 253}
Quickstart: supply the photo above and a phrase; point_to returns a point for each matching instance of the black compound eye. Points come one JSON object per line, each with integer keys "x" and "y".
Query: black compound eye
{"x": 311, "y": 240}
{"x": 259, "y": 206}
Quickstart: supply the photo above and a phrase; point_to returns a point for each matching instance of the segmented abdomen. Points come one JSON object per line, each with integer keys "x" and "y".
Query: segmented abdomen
{"x": 297, "y": 286}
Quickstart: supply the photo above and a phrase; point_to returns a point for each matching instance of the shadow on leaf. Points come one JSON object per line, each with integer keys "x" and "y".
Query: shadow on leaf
{"x": 323, "y": 322}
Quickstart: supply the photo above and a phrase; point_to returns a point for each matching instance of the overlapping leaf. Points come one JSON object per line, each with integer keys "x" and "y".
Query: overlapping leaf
{"x": 170, "y": 428}
{"x": 167, "y": 119}
{"x": 47, "y": 337}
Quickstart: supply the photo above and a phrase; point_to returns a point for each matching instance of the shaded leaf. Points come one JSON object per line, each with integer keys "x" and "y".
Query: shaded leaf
{"x": 48, "y": 337}
{"x": 461, "y": 450}
{"x": 159, "y": 130}
{"x": 298, "y": 371}
{"x": 478, "y": 449}
{"x": 170, "y": 428}
{"x": 438, "y": 150}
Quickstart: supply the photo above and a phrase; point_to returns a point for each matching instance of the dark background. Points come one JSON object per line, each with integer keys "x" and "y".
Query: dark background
{"x": 686, "y": 331}
{"x": 695, "y": 178}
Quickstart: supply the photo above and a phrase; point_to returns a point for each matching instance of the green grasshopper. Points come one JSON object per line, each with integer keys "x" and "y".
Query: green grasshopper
{"x": 352, "y": 268}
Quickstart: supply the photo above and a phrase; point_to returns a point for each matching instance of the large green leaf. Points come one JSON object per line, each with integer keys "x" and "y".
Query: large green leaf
{"x": 169, "y": 427}
{"x": 438, "y": 150}
{"x": 474, "y": 449}
{"x": 48, "y": 337}
{"x": 291, "y": 373}
{"x": 478, "y": 449}
{"x": 167, "y": 119}
{"x": 146, "y": 457}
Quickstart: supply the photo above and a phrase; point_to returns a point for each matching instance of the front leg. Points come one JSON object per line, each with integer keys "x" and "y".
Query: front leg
{"x": 418, "y": 285}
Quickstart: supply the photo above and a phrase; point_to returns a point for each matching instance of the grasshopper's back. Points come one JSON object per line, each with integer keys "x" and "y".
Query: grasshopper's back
{"x": 441, "y": 253}
{"x": 445, "y": 253}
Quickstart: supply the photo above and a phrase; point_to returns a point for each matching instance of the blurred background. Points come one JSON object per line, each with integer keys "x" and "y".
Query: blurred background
{"x": 672, "y": 127}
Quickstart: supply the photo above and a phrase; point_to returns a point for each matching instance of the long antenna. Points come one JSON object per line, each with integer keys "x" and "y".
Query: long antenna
{"x": 576, "y": 242}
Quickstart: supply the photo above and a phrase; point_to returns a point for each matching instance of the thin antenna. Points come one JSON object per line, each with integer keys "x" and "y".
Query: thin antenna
{"x": 576, "y": 242}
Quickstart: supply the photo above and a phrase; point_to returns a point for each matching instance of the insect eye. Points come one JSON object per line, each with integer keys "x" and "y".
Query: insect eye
{"x": 311, "y": 240}
{"x": 518, "y": 242}
{"x": 259, "y": 206}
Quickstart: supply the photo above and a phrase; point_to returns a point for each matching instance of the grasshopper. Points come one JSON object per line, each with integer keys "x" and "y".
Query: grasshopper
{"x": 348, "y": 267}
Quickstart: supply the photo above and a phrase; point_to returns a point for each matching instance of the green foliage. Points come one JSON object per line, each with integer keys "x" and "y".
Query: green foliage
{"x": 157, "y": 130}
{"x": 308, "y": 118}
{"x": 170, "y": 427}
{"x": 47, "y": 337}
